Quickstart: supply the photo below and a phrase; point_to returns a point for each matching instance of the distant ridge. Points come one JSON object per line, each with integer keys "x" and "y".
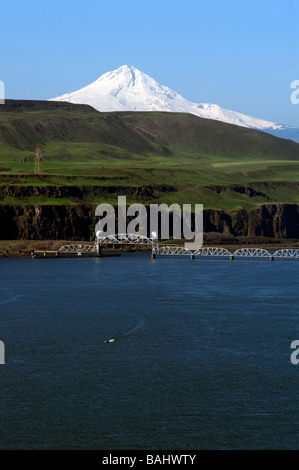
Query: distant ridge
{"x": 23, "y": 123}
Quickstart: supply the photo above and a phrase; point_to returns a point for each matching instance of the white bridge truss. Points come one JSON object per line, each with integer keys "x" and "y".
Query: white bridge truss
{"x": 210, "y": 251}
{"x": 181, "y": 250}
{"x": 252, "y": 252}
{"x": 218, "y": 251}
{"x": 174, "y": 250}
{"x": 125, "y": 239}
{"x": 78, "y": 249}
{"x": 286, "y": 253}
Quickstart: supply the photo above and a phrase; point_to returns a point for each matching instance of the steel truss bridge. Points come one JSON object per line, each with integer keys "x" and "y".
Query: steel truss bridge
{"x": 78, "y": 249}
{"x": 126, "y": 239}
{"x": 111, "y": 240}
{"x": 223, "y": 252}
{"x": 119, "y": 240}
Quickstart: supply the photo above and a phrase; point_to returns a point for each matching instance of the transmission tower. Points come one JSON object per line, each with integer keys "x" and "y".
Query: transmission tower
{"x": 38, "y": 159}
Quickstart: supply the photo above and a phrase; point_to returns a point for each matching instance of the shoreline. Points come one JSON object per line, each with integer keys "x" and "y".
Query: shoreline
{"x": 50, "y": 248}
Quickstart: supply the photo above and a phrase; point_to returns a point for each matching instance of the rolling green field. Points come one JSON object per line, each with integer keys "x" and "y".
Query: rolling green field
{"x": 204, "y": 161}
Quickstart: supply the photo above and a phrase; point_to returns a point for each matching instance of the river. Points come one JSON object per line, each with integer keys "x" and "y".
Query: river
{"x": 202, "y": 360}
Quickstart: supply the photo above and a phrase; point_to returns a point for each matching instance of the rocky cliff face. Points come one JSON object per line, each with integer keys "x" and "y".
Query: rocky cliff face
{"x": 77, "y": 192}
{"x": 269, "y": 220}
{"x": 47, "y": 222}
{"x": 62, "y": 222}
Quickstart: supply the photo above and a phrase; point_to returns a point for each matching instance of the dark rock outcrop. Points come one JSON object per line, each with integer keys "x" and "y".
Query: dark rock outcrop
{"x": 250, "y": 192}
{"x": 47, "y": 222}
{"x": 77, "y": 222}
{"x": 68, "y": 192}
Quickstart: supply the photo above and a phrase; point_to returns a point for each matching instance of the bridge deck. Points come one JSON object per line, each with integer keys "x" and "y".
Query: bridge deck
{"x": 172, "y": 250}
{"x": 118, "y": 240}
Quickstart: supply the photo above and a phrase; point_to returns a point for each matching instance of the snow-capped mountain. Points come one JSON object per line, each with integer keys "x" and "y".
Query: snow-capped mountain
{"x": 129, "y": 89}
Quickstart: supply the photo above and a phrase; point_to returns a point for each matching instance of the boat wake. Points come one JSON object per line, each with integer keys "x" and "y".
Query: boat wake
{"x": 140, "y": 324}
{"x": 15, "y": 298}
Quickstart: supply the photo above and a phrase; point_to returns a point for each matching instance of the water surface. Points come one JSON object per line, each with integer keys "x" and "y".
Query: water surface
{"x": 203, "y": 359}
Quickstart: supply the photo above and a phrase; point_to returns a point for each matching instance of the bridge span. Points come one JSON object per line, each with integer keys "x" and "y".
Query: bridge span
{"x": 159, "y": 249}
{"x": 173, "y": 250}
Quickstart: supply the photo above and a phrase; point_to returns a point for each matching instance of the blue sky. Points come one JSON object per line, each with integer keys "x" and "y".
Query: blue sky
{"x": 242, "y": 55}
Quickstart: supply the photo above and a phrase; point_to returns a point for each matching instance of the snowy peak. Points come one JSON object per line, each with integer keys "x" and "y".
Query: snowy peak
{"x": 213, "y": 111}
{"x": 134, "y": 89}
{"x": 124, "y": 77}
{"x": 129, "y": 89}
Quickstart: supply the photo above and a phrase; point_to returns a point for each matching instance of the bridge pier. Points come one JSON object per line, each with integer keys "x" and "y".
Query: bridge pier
{"x": 271, "y": 258}
{"x": 153, "y": 256}
{"x": 192, "y": 256}
{"x": 232, "y": 257}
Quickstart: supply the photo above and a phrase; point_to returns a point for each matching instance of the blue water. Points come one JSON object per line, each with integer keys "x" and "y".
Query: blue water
{"x": 203, "y": 359}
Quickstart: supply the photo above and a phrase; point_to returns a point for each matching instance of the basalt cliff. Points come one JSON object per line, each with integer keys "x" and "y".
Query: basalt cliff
{"x": 77, "y": 222}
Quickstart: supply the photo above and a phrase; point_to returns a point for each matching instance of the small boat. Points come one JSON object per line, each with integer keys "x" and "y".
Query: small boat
{"x": 111, "y": 340}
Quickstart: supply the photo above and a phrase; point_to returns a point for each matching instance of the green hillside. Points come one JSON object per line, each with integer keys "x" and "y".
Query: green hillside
{"x": 205, "y": 161}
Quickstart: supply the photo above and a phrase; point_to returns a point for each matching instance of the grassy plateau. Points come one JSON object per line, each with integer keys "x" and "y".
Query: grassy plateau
{"x": 203, "y": 161}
